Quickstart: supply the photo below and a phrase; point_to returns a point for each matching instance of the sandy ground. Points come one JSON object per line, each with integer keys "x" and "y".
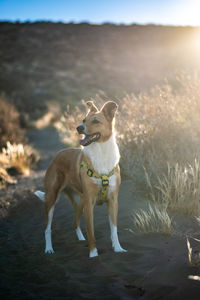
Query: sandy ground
{"x": 155, "y": 266}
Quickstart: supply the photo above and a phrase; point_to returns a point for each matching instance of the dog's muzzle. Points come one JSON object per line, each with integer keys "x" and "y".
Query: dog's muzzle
{"x": 88, "y": 138}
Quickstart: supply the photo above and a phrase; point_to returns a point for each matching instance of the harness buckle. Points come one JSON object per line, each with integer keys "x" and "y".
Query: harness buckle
{"x": 105, "y": 181}
{"x": 90, "y": 172}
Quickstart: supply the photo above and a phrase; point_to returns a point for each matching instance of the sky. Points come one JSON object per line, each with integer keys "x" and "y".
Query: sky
{"x": 166, "y": 12}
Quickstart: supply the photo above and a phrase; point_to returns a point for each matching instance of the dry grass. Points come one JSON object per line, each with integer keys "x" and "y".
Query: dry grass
{"x": 19, "y": 157}
{"x": 154, "y": 220}
{"x": 189, "y": 252}
{"x": 194, "y": 277}
{"x": 160, "y": 127}
{"x": 159, "y": 133}
{"x": 14, "y": 155}
{"x": 179, "y": 189}
{"x": 10, "y": 129}
{"x": 193, "y": 258}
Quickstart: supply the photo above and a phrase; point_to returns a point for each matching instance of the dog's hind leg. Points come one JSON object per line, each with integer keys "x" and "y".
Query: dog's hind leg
{"x": 78, "y": 210}
{"x": 50, "y": 201}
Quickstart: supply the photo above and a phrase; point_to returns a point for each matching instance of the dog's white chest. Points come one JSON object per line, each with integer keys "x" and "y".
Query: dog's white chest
{"x": 104, "y": 156}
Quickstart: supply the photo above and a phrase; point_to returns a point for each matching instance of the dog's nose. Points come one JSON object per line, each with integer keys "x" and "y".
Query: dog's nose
{"x": 80, "y": 129}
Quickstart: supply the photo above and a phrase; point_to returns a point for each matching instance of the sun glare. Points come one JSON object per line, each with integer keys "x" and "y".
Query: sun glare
{"x": 194, "y": 45}
{"x": 196, "y": 39}
{"x": 189, "y": 14}
{"x": 184, "y": 12}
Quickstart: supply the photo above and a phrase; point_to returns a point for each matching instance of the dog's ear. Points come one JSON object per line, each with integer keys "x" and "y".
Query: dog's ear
{"x": 91, "y": 106}
{"x": 109, "y": 109}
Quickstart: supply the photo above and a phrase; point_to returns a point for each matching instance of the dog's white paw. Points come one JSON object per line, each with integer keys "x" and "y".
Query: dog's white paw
{"x": 116, "y": 245}
{"x": 49, "y": 250}
{"x": 119, "y": 249}
{"x": 40, "y": 195}
{"x": 93, "y": 253}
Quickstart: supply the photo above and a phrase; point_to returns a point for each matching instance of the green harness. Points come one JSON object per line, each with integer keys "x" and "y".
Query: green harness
{"x": 104, "y": 179}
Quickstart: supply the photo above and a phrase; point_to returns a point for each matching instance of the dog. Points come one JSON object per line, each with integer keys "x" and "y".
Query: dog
{"x": 92, "y": 171}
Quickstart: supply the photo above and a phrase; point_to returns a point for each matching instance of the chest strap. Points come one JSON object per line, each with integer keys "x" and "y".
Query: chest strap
{"x": 104, "y": 180}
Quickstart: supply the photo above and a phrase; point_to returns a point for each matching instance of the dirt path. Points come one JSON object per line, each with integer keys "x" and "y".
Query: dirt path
{"x": 155, "y": 267}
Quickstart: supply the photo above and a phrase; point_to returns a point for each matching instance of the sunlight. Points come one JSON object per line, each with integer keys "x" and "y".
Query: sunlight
{"x": 184, "y": 12}
{"x": 189, "y": 14}
{"x": 195, "y": 40}
{"x": 194, "y": 45}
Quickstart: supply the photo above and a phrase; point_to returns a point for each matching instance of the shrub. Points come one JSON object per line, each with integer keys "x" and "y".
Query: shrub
{"x": 19, "y": 157}
{"x": 14, "y": 155}
{"x": 160, "y": 127}
{"x": 10, "y": 129}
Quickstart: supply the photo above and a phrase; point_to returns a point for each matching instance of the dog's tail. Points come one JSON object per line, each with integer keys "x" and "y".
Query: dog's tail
{"x": 40, "y": 195}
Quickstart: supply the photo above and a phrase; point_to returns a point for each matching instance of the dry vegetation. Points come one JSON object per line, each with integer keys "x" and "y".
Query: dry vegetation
{"x": 193, "y": 257}
{"x": 179, "y": 189}
{"x": 10, "y": 129}
{"x": 15, "y": 157}
{"x": 159, "y": 137}
{"x": 19, "y": 157}
{"x": 153, "y": 220}
{"x": 161, "y": 127}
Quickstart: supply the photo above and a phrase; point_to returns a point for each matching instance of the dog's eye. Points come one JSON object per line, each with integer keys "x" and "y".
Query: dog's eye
{"x": 95, "y": 121}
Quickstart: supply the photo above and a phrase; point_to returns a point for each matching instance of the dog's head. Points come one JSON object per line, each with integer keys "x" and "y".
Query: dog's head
{"x": 98, "y": 125}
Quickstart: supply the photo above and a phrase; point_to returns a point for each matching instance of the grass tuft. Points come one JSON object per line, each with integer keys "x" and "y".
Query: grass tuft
{"x": 19, "y": 157}
{"x": 194, "y": 277}
{"x": 193, "y": 258}
{"x": 179, "y": 189}
{"x": 155, "y": 220}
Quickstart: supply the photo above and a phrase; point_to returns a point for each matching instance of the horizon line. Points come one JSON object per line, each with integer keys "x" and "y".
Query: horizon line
{"x": 92, "y": 23}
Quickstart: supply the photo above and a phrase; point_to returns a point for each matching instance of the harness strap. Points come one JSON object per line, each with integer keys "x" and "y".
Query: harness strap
{"x": 104, "y": 180}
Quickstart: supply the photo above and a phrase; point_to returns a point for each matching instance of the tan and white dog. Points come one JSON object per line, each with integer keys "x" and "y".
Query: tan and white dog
{"x": 92, "y": 171}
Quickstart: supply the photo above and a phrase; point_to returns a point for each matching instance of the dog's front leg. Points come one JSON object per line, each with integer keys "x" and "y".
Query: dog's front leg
{"x": 113, "y": 212}
{"x": 88, "y": 212}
